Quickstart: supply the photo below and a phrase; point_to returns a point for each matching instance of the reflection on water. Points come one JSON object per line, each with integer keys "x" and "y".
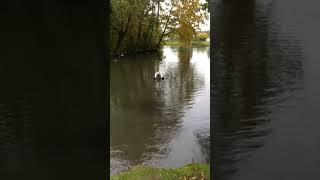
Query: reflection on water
{"x": 257, "y": 72}
{"x": 163, "y": 124}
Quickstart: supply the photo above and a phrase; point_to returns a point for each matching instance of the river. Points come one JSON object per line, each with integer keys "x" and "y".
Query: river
{"x": 265, "y": 90}
{"x": 161, "y": 124}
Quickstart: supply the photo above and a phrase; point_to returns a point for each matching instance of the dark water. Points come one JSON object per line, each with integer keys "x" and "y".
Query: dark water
{"x": 266, "y": 90}
{"x": 162, "y": 124}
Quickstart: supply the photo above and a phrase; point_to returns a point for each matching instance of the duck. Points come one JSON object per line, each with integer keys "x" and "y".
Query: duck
{"x": 158, "y": 76}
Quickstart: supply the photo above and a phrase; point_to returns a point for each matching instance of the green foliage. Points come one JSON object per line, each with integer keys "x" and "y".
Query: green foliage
{"x": 190, "y": 15}
{"x": 206, "y": 6}
{"x": 133, "y": 25}
{"x": 138, "y": 25}
{"x": 191, "y": 171}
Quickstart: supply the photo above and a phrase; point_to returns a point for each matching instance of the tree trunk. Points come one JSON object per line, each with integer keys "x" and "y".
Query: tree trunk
{"x": 139, "y": 34}
{"x": 122, "y": 34}
{"x": 119, "y": 41}
{"x": 157, "y": 25}
{"x": 165, "y": 28}
{"x": 158, "y": 45}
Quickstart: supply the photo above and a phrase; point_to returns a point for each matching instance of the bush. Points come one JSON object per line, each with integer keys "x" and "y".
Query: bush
{"x": 202, "y": 36}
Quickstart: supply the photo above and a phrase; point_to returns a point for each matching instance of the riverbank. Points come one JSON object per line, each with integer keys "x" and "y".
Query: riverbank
{"x": 194, "y": 43}
{"x": 148, "y": 51}
{"x": 165, "y": 43}
{"x": 190, "y": 171}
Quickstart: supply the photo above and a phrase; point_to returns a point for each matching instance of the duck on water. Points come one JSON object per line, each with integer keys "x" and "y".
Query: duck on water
{"x": 158, "y": 76}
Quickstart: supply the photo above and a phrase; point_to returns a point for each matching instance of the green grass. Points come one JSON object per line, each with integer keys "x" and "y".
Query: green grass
{"x": 200, "y": 43}
{"x": 192, "y": 171}
{"x": 194, "y": 43}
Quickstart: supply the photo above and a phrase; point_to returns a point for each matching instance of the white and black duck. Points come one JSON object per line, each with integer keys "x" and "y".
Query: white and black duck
{"x": 158, "y": 76}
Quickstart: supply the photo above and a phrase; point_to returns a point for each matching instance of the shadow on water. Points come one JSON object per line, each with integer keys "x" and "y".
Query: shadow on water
{"x": 256, "y": 68}
{"x": 148, "y": 116}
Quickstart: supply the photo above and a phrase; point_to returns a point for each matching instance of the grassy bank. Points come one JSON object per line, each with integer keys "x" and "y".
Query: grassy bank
{"x": 188, "y": 172}
{"x": 194, "y": 43}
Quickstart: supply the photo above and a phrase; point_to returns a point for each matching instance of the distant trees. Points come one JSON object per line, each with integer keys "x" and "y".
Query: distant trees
{"x": 141, "y": 25}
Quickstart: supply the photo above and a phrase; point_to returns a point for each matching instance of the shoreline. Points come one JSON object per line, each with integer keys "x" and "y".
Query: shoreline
{"x": 165, "y": 43}
{"x": 189, "y": 171}
{"x": 194, "y": 43}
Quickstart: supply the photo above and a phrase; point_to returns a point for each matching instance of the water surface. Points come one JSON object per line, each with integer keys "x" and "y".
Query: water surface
{"x": 161, "y": 124}
{"x": 265, "y": 90}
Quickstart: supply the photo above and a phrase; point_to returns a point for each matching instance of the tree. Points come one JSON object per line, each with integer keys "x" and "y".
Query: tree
{"x": 141, "y": 25}
{"x": 134, "y": 24}
{"x": 168, "y": 21}
{"x": 189, "y": 15}
{"x": 121, "y": 15}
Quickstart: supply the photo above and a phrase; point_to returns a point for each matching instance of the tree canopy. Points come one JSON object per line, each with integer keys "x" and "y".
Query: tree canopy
{"x": 141, "y": 25}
